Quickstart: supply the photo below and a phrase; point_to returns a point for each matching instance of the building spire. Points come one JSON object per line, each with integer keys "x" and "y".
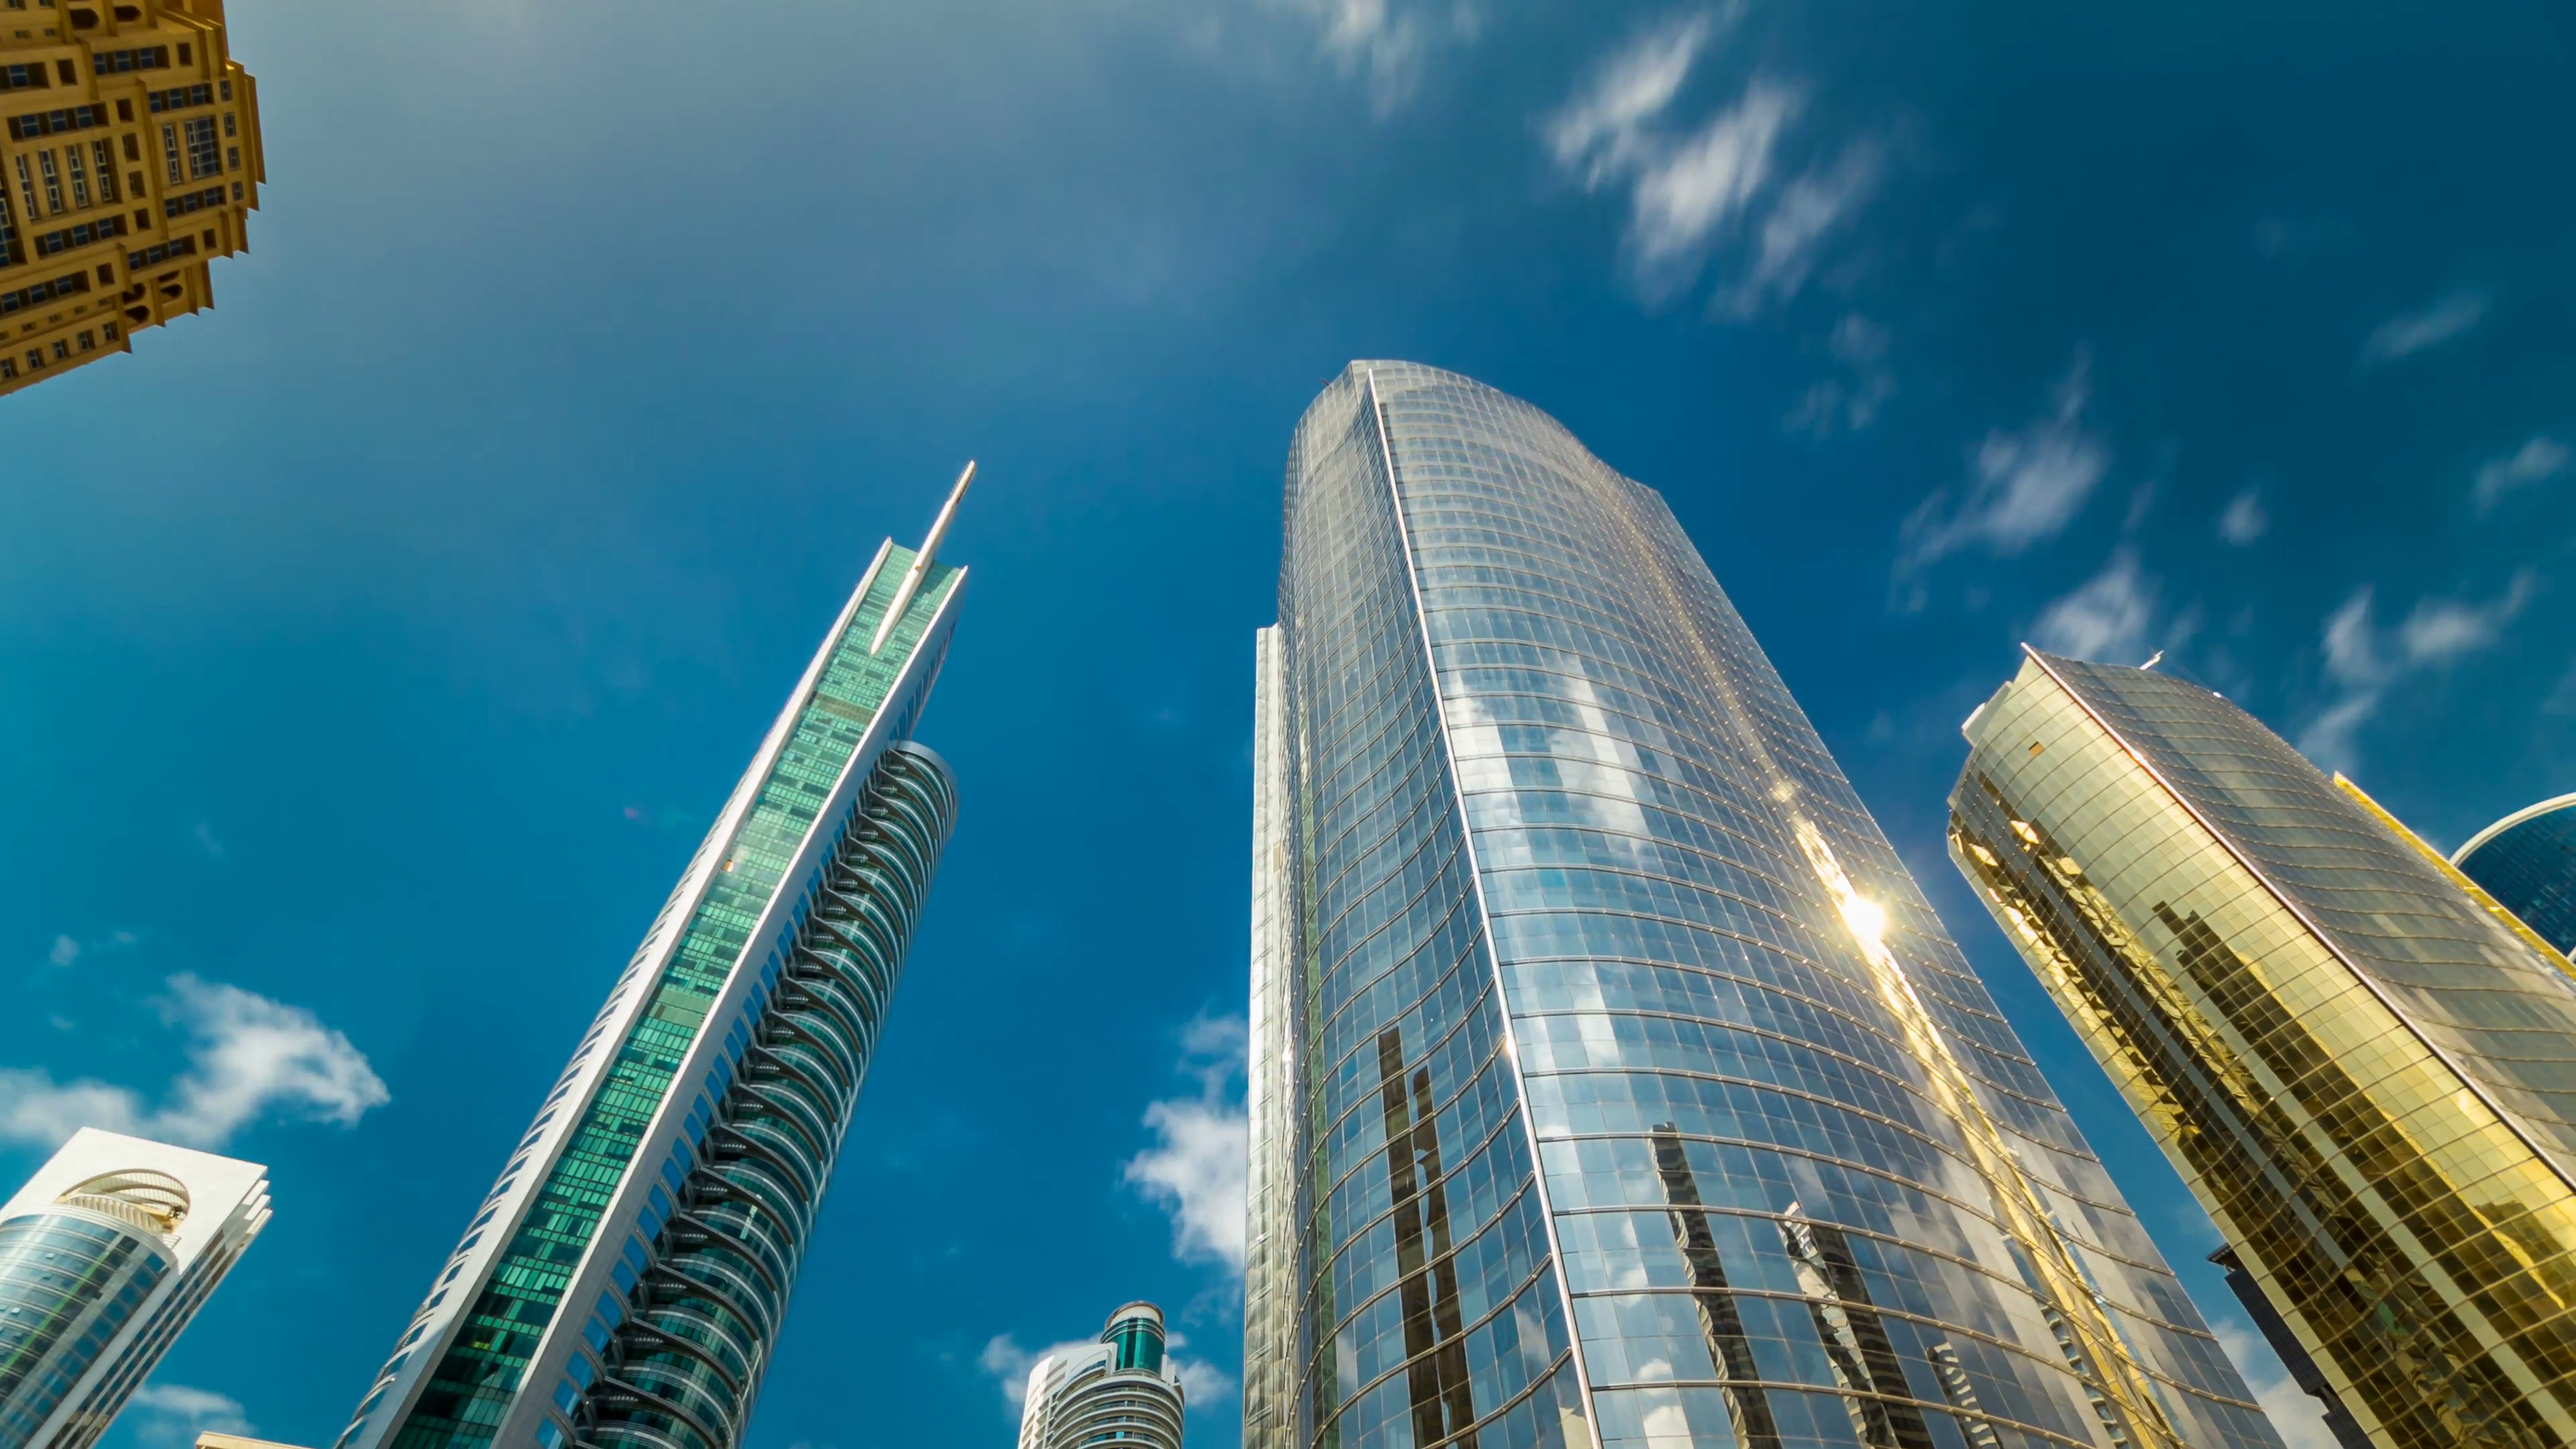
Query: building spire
{"x": 920, "y": 569}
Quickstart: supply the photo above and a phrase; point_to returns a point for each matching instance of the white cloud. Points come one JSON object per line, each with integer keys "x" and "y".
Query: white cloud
{"x": 1693, "y": 189}
{"x": 2299, "y": 1418}
{"x": 1388, "y": 41}
{"x": 2107, "y": 619}
{"x": 207, "y": 841}
{"x": 2411, "y": 332}
{"x": 1687, "y": 196}
{"x": 2536, "y": 461}
{"x": 2367, "y": 661}
{"x": 1009, "y": 1364}
{"x": 1834, "y": 403}
{"x": 1198, "y": 1170}
{"x": 1602, "y": 131}
{"x": 2245, "y": 519}
{"x": 2024, "y": 485}
{"x": 1203, "y": 1384}
{"x": 1812, "y": 207}
{"x": 249, "y": 1058}
{"x": 65, "y": 952}
{"x": 2439, "y": 631}
{"x": 176, "y": 1414}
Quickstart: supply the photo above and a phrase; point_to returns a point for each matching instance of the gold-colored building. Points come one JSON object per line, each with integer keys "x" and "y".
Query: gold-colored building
{"x": 2366, "y": 1075}
{"x": 129, "y": 157}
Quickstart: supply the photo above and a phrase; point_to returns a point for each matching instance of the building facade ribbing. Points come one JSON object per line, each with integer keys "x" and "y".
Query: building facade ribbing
{"x": 130, "y": 159}
{"x": 2364, "y": 1070}
{"x": 106, "y": 1255}
{"x": 1633, "y": 1097}
{"x": 624, "y": 1283}
{"x": 1123, "y": 1390}
{"x": 2527, "y": 861}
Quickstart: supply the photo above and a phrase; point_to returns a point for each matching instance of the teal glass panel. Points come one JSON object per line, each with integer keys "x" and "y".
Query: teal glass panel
{"x": 471, "y": 1389}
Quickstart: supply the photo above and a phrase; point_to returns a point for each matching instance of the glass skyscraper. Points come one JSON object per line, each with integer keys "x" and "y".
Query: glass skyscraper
{"x": 105, "y": 1256}
{"x": 2527, "y": 861}
{"x": 1615, "y": 1086}
{"x": 623, "y": 1284}
{"x": 1123, "y": 1390}
{"x": 2365, "y": 1071}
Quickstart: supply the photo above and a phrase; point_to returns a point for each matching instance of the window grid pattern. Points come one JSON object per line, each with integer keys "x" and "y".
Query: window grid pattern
{"x": 2418, "y": 1246}
{"x": 2531, "y": 868}
{"x": 69, "y": 1283}
{"x": 683, "y": 1368}
{"x": 1427, "y": 1310}
{"x": 480, "y": 1374}
{"x": 1776, "y": 1232}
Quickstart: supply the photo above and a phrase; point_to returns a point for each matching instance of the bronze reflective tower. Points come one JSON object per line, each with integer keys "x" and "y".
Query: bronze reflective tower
{"x": 2365, "y": 1072}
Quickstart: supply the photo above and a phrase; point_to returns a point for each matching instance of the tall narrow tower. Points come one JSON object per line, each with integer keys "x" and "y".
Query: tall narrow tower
{"x": 624, "y": 1282}
{"x": 2364, "y": 1067}
{"x": 1633, "y": 1097}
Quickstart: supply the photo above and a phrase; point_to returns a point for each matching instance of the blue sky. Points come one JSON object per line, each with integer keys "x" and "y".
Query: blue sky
{"x": 373, "y": 647}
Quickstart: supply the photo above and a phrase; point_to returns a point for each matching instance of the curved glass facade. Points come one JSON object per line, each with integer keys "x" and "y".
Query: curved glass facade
{"x": 1643, "y": 1102}
{"x": 1121, "y": 1392}
{"x": 682, "y": 1365}
{"x": 69, "y": 1283}
{"x": 2528, "y": 863}
{"x": 2359, "y": 1071}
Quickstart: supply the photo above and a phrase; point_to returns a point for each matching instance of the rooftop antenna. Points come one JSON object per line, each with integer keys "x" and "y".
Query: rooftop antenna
{"x": 2152, "y": 660}
{"x": 921, "y": 561}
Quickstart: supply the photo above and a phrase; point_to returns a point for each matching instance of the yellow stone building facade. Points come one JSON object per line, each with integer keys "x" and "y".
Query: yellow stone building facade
{"x": 129, "y": 158}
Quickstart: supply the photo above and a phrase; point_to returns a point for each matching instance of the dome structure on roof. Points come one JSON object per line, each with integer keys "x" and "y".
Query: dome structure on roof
{"x": 156, "y": 1202}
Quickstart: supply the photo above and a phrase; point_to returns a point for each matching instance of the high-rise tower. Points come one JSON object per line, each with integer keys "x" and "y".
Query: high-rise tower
{"x": 1122, "y": 1390}
{"x": 131, "y": 157}
{"x": 105, "y": 1256}
{"x": 2527, "y": 862}
{"x": 2365, "y": 1071}
{"x": 624, "y": 1282}
{"x": 1634, "y": 1098}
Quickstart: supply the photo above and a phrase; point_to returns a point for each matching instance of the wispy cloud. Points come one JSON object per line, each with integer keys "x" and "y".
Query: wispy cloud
{"x": 1696, "y": 189}
{"x": 2299, "y": 1418}
{"x": 1603, "y": 133}
{"x": 1009, "y": 1364}
{"x": 2408, "y": 333}
{"x": 2537, "y": 461}
{"x": 65, "y": 952}
{"x": 2244, "y": 519}
{"x": 1387, "y": 42}
{"x": 249, "y": 1058}
{"x": 2365, "y": 661}
{"x": 1198, "y": 1168}
{"x": 2108, "y": 618}
{"x": 2024, "y": 484}
{"x": 1692, "y": 192}
{"x": 1832, "y": 404}
{"x": 1811, "y": 208}
{"x": 162, "y": 1413}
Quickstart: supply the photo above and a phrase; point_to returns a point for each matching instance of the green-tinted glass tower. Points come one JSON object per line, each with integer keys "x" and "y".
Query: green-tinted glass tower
{"x": 624, "y": 1282}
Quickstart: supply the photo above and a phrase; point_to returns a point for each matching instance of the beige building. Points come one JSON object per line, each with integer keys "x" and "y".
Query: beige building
{"x": 2364, "y": 1069}
{"x": 129, "y": 157}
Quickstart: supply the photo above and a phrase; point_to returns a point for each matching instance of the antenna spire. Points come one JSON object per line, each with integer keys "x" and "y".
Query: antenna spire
{"x": 921, "y": 561}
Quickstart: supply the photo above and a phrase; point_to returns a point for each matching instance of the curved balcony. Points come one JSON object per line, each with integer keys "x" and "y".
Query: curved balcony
{"x": 685, "y": 1367}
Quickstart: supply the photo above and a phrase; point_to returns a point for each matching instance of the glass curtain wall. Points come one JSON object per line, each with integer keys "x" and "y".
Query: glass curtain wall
{"x": 1643, "y": 1100}
{"x": 2361, "y": 1072}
